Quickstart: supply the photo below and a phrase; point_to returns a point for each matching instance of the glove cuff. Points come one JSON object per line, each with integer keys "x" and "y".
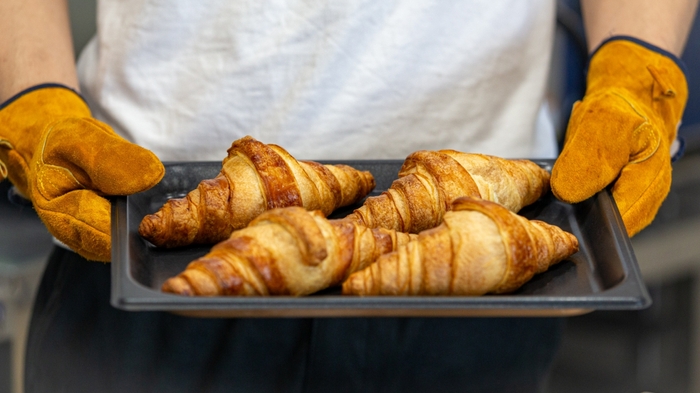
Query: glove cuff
{"x": 39, "y": 87}
{"x": 646, "y": 45}
{"x": 639, "y": 72}
{"x": 23, "y": 120}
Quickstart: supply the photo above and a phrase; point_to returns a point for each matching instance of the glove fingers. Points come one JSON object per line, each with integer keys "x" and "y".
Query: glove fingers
{"x": 81, "y": 220}
{"x": 92, "y": 156}
{"x": 641, "y": 189}
{"x": 598, "y": 146}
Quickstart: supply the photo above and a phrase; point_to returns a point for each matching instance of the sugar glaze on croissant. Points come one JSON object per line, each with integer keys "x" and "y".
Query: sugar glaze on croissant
{"x": 285, "y": 251}
{"x": 429, "y": 181}
{"x": 255, "y": 177}
{"x": 481, "y": 247}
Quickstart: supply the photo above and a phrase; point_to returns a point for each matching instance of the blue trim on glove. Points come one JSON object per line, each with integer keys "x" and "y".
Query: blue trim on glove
{"x": 681, "y": 149}
{"x": 645, "y": 44}
{"x": 37, "y": 87}
{"x": 681, "y": 141}
{"x": 16, "y": 198}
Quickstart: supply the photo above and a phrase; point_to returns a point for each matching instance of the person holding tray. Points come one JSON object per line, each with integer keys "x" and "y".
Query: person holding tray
{"x": 341, "y": 80}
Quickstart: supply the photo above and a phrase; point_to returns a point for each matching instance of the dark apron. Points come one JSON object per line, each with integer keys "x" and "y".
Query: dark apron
{"x": 79, "y": 343}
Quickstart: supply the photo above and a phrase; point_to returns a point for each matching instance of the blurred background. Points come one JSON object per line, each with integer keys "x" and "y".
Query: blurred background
{"x": 656, "y": 350}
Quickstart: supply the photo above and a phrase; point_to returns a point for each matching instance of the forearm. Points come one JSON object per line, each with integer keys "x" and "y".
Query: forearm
{"x": 35, "y": 45}
{"x": 663, "y": 23}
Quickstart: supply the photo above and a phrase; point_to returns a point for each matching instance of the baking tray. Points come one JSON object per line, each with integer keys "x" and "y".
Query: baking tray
{"x": 603, "y": 275}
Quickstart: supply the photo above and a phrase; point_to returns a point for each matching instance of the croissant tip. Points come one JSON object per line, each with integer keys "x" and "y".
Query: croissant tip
{"x": 347, "y": 288}
{"x": 177, "y": 286}
{"x": 371, "y": 181}
{"x": 574, "y": 242}
{"x": 353, "y": 285}
{"x": 151, "y": 227}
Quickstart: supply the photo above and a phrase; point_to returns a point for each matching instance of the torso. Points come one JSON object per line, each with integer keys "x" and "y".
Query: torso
{"x": 338, "y": 80}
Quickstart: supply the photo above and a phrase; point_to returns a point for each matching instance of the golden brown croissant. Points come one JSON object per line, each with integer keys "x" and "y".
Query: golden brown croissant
{"x": 286, "y": 251}
{"x": 480, "y": 248}
{"x": 429, "y": 181}
{"x": 255, "y": 177}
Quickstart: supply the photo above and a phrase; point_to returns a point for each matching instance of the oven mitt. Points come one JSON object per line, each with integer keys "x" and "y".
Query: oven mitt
{"x": 65, "y": 162}
{"x": 622, "y": 131}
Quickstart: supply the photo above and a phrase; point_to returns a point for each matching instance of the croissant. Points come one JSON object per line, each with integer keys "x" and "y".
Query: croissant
{"x": 429, "y": 181}
{"x": 255, "y": 177}
{"x": 480, "y": 248}
{"x": 286, "y": 251}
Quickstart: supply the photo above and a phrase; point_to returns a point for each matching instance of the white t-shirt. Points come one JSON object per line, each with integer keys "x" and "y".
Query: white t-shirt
{"x": 346, "y": 79}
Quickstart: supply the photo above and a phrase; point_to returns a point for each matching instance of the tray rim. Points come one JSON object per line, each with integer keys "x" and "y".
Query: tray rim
{"x": 127, "y": 294}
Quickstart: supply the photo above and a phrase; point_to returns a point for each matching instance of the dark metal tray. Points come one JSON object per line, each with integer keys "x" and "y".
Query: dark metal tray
{"x": 602, "y": 275}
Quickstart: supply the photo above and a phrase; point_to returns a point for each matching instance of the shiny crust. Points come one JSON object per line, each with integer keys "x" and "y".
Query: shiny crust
{"x": 255, "y": 177}
{"x": 481, "y": 247}
{"x": 452, "y": 178}
{"x": 517, "y": 242}
{"x": 429, "y": 181}
{"x": 335, "y": 195}
{"x": 278, "y": 182}
{"x": 285, "y": 251}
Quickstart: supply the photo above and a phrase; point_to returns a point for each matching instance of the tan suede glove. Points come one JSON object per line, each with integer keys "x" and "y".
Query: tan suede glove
{"x": 65, "y": 162}
{"x": 621, "y": 132}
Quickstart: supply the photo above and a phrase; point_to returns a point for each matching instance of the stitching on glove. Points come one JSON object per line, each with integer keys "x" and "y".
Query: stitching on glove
{"x": 639, "y": 200}
{"x": 60, "y": 170}
{"x": 46, "y": 183}
{"x": 649, "y": 142}
{"x": 3, "y": 167}
{"x": 50, "y": 173}
{"x": 4, "y": 172}
{"x": 634, "y": 108}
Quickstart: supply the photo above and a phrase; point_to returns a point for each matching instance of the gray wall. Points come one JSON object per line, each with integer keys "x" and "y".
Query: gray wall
{"x": 83, "y": 26}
